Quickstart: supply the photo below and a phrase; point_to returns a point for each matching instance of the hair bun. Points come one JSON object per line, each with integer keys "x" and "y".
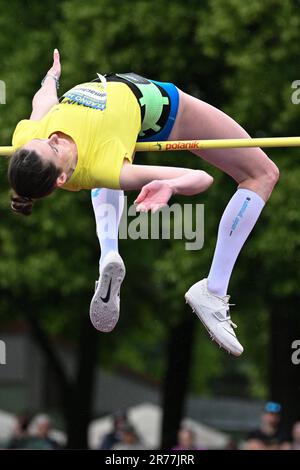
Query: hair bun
{"x": 22, "y": 205}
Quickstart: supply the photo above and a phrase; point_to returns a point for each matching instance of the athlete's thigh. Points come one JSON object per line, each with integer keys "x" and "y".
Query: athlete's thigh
{"x": 199, "y": 120}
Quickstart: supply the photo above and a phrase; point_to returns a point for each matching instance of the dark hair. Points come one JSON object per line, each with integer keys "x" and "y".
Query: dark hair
{"x": 119, "y": 417}
{"x": 24, "y": 421}
{"x": 31, "y": 178}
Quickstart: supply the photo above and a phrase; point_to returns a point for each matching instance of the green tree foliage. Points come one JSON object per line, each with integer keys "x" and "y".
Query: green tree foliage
{"x": 239, "y": 56}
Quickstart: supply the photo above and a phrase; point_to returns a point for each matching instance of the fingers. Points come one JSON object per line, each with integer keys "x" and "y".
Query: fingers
{"x": 157, "y": 207}
{"x": 143, "y": 194}
{"x": 56, "y": 56}
{"x": 152, "y": 206}
{"x": 141, "y": 208}
{"x": 144, "y": 206}
{"x": 56, "y": 67}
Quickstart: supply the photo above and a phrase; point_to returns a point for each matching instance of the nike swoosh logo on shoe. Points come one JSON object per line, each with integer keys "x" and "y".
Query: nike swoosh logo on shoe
{"x": 106, "y": 298}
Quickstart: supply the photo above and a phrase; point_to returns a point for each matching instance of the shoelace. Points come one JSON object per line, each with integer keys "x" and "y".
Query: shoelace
{"x": 229, "y": 321}
{"x": 228, "y": 317}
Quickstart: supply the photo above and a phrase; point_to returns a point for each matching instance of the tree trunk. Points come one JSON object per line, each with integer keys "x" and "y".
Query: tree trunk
{"x": 47, "y": 348}
{"x": 82, "y": 397}
{"x": 176, "y": 379}
{"x": 284, "y": 375}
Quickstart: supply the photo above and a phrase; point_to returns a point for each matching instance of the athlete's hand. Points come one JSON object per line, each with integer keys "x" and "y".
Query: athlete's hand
{"x": 153, "y": 196}
{"x": 56, "y": 67}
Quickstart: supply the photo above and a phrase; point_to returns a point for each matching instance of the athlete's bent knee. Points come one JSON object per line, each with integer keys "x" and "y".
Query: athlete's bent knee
{"x": 272, "y": 174}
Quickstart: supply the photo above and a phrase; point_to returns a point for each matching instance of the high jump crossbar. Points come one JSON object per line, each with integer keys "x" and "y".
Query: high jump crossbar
{"x": 177, "y": 145}
{"x": 217, "y": 144}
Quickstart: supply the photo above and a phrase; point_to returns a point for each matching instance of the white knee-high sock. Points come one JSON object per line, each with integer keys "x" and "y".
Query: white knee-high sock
{"x": 236, "y": 224}
{"x": 108, "y": 206}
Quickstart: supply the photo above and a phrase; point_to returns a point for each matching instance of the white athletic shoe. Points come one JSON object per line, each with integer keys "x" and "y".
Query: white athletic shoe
{"x": 105, "y": 305}
{"x": 213, "y": 311}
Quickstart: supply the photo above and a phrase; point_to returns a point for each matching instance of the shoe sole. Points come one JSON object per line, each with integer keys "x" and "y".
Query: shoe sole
{"x": 105, "y": 315}
{"x": 192, "y": 303}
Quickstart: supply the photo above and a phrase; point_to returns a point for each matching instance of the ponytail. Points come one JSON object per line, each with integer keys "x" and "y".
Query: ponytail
{"x": 31, "y": 178}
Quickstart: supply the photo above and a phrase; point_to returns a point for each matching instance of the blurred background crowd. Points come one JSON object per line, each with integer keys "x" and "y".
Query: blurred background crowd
{"x": 120, "y": 433}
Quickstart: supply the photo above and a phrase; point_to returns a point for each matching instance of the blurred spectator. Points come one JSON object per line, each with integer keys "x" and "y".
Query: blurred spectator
{"x": 285, "y": 446}
{"x": 270, "y": 434}
{"x": 129, "y": 439}
{"x": 231, "y": 445}
{"x": 295, "y": 444}
{"x": 114, "y": 436}
{"x": 186, "y": 440}
{"x": 32, "y": 434}
{"x": 41, "y": 428}
{"x": 254, "y": 444}
{"x": 20, "y": 437}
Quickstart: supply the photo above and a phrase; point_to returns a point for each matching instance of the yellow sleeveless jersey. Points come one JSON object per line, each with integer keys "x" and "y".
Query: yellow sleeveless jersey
{"x": 104, "y": 137}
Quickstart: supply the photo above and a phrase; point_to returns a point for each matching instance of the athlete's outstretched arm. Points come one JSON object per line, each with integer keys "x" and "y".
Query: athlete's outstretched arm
{"x": 159, "y": 183}
{"x": 46, "y": 96}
